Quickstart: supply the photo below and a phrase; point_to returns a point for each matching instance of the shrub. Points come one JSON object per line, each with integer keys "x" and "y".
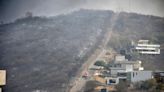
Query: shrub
{"x": 100, "y": 63}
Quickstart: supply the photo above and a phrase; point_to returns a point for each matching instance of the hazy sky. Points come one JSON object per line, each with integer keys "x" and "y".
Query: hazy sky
{"x": 12, "y": 9}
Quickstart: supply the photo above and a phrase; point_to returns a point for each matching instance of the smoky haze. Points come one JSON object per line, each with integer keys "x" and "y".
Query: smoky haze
{"x": 13, "y": 9}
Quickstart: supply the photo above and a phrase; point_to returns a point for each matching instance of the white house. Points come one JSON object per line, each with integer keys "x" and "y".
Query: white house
{"x": 133, "y": 76}
{"x": 132, "y": 71}
{"x": 136, "y": 76}
{"x": 145, "y": 47}
{"x": 121, "y": 64}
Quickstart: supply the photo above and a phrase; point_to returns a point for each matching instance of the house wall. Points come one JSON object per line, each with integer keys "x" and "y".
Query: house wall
{"x": 136, "y": 76}
{"x": 127, "y": 67}
{"x": 115, "y": 71}
{"x": 119, "y": 58}
{"x": 122, "y": 68}
{"x": 148, "y": 48}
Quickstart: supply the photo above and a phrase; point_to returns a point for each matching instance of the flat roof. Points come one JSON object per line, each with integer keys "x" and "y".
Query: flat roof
{"x": 149, "y": 52}
{"x": 126, "y": 62}
{"x": 149, "y": 45}
{"x": 142, "y": 71}
{"x": 145, "y": 48}
{"x": 143, "y": 41}
{"x": 117, "y": 68}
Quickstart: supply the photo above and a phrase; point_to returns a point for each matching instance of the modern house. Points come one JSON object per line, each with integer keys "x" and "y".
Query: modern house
{"x": 145, "y": 47}
{"x": 131, "y": 71}
{"x": 121, "y": 64}
{"x": 133, "y": 76}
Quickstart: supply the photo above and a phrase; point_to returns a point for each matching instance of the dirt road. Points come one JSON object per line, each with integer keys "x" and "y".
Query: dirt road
{"x": 79, "y": 82}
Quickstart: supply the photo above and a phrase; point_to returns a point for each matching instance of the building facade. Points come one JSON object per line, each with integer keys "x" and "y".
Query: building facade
{"x": 145, "y": 47}
{"x": 131, "y": 71}
{"x": 136, "y": 76}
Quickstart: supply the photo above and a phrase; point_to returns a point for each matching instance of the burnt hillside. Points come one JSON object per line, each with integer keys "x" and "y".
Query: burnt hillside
{"x": 43, "y": 54}
{"x": 133, "y": 27}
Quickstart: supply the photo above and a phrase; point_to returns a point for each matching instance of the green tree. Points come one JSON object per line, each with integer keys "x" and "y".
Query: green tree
{"x": 100, "y": 63}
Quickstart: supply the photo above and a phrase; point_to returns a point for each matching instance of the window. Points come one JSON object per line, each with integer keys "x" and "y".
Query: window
{"x": 133, "y": 74}
{"x": 112, "y": 81}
